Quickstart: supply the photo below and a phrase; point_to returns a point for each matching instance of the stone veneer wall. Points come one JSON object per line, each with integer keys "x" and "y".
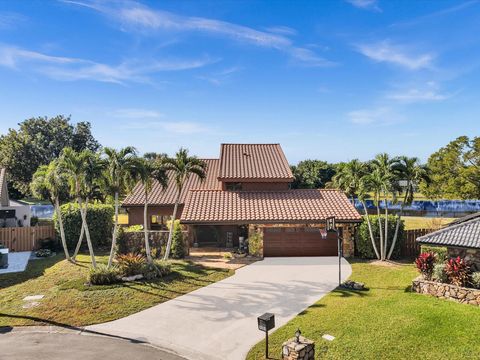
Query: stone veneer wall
{"x": 470, "y": 255}
{"x": 447, "y": 291}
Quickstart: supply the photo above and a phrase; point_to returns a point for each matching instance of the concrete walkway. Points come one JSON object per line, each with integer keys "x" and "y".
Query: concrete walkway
{"x": 219, "y": 321}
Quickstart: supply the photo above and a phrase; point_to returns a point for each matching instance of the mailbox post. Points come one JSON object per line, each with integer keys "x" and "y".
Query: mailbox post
{"x": 266, "y": 322}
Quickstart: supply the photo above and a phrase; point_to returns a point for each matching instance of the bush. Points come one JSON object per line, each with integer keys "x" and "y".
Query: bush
{"x": 130, "y": 240}
{"x": 439, "y": 273}
{"x": 178, "y": 250}
{"x": 99, "y": 220}
{"x": 255, "y": 242}
{"x": 130, "y": 264}
{"x": 164, "y": 267}
{"x": 457, "y": 271}
{"x": 43, "y": 253}
{"x": 133, "y": 228}
{"x": 103, "y": 275}
{"x": 50, "y": 244}
{"x": 476, "y": 280}
{"x": 440, "y": 251}
{"x": 364, "y": 244}
{"x": 155, "y": 270}
{"x": 33, "y": 221}
{"x": 425, "y": 263}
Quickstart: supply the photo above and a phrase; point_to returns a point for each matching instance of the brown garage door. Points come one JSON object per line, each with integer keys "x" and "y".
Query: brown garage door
{"x": 298, "y": 241}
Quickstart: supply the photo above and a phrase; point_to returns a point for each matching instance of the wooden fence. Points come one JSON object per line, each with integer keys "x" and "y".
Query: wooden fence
{"x": 25, "y": 238}
{"x": 410, "y": 248}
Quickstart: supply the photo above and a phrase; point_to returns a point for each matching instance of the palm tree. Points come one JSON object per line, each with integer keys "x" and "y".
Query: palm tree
{"x": 118, "y": 177}
{"x": 412, "y": 172}
{"x": 76, "y": 165}
{"x": 50, "y": 183}
{"x": 351, "y": 178}
{"x": 148, "y": 172}
{"x": 182, "y": 166}
{"x": 384, "y": 181}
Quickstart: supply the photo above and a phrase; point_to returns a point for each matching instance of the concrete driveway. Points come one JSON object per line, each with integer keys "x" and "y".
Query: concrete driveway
{"x": 219, "y": 321}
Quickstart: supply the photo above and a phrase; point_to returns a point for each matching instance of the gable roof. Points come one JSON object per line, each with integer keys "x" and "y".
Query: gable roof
{"x": 4, "y": 199}
{"x": 465, "y": 234}
{"x": 288, "y": 206}
{"x": 464, "y": 218}
{"x": 254, "y": 162}
{"x": 164, "y": 197}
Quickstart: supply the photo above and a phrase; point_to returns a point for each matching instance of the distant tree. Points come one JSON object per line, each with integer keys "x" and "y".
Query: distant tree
{"x": 312, "y": 174}
{"x": 454, "y": 171}
{"x": 182, "y": 166}
{"x": 38, "y": 141}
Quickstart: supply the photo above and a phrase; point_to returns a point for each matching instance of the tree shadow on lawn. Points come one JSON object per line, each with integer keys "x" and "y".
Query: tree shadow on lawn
{"x": 35, "y": 268}
{"x": 40, "y": 321}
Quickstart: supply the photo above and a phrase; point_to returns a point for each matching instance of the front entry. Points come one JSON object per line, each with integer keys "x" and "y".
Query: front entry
{"x": 298, "y": 241}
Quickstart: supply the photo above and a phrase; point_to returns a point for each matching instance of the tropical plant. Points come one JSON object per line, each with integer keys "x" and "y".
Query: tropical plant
{"x": 425, "y": 263}
{"x": 118, "y": 178}
{"x": 78, "y": 166}
{"x": 182, "y": 167}
{"x": 130, "y": 264}
{"x": 148, "y": 172}
{"x": 412, "y": 173}
{"x": 439, "y": 273}
{"x": 103, "y": 275}
{"x": 179, "y": 250}
{"x": 441, "y": 252}
{"x": 476, "y": 280}
{"x": 50, "y": 183}
{"x": 457, "y": 271}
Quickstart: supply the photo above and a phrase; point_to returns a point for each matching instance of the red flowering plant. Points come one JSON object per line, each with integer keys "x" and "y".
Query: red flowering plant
{"x": 458, "y": 271}
{"x": 425, "y": 263}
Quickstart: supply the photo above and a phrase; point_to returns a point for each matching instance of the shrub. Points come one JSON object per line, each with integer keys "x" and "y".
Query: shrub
{"x": 178, "y": 250}
{"x": 42, "y": 253}
{"x": 425, "y": 263}
{"x": 255, "y": 242}
{"x": 457, "y": 271}
{"x": 364, "y": 244}
{"x": 33, "y": 221}
{"x": 133, "y": 228}
{"x": 476, "y": 280}
{"x": 103, "y": 275}
{"x": 50, "y": 244}
{"x": 99, "y": 220}
{"x": 227, "y": 255}
{"x": 440, "y": 251}
{"x": 155, "y": 270}
{"x": 439, "y": 273}
{"x": 164, "y": 267}
{"x": 130, "y": 264}
{"x": 133, "y": 241}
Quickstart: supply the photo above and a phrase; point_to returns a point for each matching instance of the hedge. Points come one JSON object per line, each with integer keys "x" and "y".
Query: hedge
{"x": 178, "y": 250}
{"x": 364, "y": 244}
{"x": 99, "y": 220}
{"x": 440, "y": 251}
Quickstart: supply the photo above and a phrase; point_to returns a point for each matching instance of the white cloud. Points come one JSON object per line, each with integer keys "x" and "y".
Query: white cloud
{"x": 379, "y": 115}
{"x": 9, "y": 19}
{"x": 136, "y": 113}
{"x": 426, "y": 93}
{"x": 142, "y": 18}
{"x": 365, "y": 4}
{"x": 67, "y": 68}
{"x": 384, "y": 51}
{"x": 220, "y": 77}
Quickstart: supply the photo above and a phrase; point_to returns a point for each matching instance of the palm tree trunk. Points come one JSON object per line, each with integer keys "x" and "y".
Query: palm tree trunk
{"x": 380, "y": 230}
{"x": 386, "y": 229}
{"x": 62, "y": 231}
{"x": 114, "y": 235}
{"x": 145, "y": 229}
{"x": 80, "y": 239}
{"x": 83, "y": 213}
{"x": 172, "y": 225}
{"x": 372, "y": 238}
{"x": 395, "y": 236}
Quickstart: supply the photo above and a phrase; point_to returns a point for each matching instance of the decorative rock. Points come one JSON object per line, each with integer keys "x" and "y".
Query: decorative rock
{"x": 33, "y": 297}
{"x": 304, "y": 349}
{"x": 30, "y": 305}
{"x": 353, "y": 285}
{"x": 132, "y": 278}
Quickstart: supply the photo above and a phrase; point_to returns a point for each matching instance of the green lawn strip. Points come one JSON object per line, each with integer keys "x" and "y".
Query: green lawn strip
{"x": 68, "y": 301}
{"x": 387, "y": 321}
{"x": 418, "y": 222}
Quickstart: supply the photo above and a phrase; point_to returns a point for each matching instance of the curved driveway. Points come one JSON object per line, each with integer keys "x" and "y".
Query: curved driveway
{"x": 219, "y": 321}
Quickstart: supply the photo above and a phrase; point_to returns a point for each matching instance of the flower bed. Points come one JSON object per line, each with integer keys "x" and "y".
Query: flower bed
{"x": 447, "y": 291}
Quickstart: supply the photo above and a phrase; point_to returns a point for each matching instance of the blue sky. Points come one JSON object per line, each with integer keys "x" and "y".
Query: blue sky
{"x": 332, "y": 80}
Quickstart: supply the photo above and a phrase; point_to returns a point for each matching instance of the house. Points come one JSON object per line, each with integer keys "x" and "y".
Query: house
{"x": 462, "y": 238}
{"x": 248, "y": 190}
{"x": 12, "y": 213}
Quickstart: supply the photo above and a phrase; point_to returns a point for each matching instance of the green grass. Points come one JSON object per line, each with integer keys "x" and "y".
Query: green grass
{"x": 418, "y": 222}
{"x": 385, "y": 322}
{"x": 68, "y": 301}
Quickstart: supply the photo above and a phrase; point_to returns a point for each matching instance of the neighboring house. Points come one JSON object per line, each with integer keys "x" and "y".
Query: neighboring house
{"x": 248, "y": 189}
{"x": 461, "y": 239}
{"x": 12, "y": 213}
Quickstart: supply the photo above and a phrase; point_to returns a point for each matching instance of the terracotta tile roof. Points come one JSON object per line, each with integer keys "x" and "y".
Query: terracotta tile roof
{"x": 216, "y": 206}
{"x": 253, "y": 162}
{"x": 4, "y": 199}
{"x": 464, "y": 234}
{"x": 159, "y": 196}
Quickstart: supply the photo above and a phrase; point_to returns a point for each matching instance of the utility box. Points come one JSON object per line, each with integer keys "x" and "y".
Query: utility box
{"x": 3, "y": 258}
{"x": 266, "y": 322}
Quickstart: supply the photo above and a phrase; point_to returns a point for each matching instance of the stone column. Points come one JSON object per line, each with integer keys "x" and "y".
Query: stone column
{"x": 303, "y": 349}
{"x": 348, "y": 243}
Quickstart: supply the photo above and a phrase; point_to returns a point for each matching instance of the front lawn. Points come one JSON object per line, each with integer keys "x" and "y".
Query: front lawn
{"x": 386, "y": 322}
{"x": 68, "y": 301}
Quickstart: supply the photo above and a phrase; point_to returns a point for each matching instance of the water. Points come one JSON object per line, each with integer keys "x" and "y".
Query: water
{"x": 428, "y": 208}
{"x": 42, "y": 211}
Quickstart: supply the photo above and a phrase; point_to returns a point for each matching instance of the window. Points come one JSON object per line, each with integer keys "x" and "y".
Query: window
{"x": 233, "y": 186}
{"x": 159, "y": 219}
